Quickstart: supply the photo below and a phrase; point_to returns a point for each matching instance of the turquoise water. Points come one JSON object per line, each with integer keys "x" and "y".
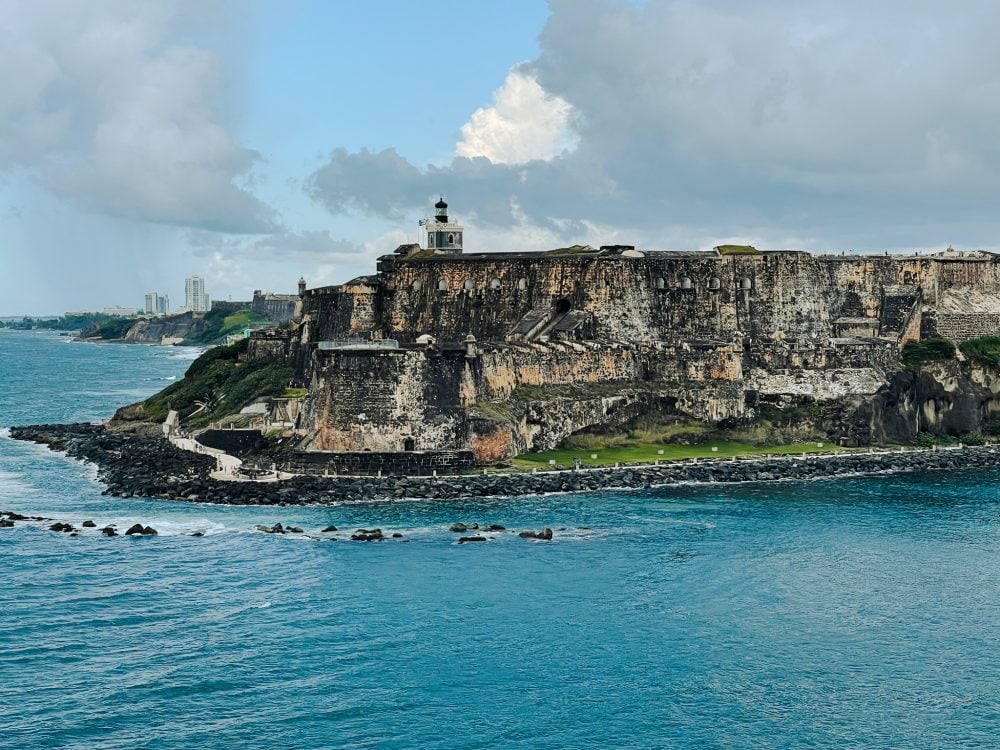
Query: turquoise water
{"x": 853, "y": 613}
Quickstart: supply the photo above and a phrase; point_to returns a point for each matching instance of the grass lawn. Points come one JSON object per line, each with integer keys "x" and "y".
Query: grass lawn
{"x": 649, "y": 452}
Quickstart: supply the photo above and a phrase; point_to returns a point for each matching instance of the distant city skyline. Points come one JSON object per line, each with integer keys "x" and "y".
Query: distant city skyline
{"x": 236, "y": 140}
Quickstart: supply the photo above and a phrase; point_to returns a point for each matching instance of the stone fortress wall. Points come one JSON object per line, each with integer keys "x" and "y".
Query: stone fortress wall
{"x": 501, "y": 353}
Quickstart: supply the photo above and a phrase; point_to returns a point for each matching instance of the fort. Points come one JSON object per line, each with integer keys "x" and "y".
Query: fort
{"x": 448, "y": 358}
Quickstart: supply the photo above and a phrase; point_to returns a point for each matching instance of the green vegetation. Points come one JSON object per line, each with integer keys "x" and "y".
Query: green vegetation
{"x": 649, "y": 452}
{"x": 737, "y": 250}
{"x": 644, "y": 432}
{"x": 928, "y": 440}
{"x": 110, "y": 330}
{"x": 221, "y": 324}
{"x": 572, "y": 250}
{"x": 63, "y": 323}
{"x": 295, "y": 393}
{"x": 985, "y": 350}
{"x": 916, "y": 353}
{"x": 218, "y": 384}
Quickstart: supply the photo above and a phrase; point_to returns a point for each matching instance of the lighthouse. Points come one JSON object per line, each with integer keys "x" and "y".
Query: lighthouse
{"x": 444, "y": 237}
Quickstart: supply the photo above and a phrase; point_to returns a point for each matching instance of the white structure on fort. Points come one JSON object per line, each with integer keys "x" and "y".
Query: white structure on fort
{"x": 443, "y": 237}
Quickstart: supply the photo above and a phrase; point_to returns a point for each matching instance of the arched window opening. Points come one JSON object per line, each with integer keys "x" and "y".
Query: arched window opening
{"x": 563, "y": 306}
{"x": 417, "y": 286}
{"x": 468, "y": 285}
{"x": 522, "y": 284}
{"x": 442, "y": 286}
{"x": 409, "y": 444}
{"x": 494, "y": 283}
{"x": 746, "y": 283}
{"x": 661, "y": 283}
{"x": 685, "y": 282}
{"x": 715, "y": 283}
{"x": 451, "y": 239}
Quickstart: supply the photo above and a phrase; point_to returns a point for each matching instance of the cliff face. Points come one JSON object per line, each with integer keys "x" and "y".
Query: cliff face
{"x": 155, "y": 330}
{"x": 503, "y": 353}
{"x": 942, "y": 398}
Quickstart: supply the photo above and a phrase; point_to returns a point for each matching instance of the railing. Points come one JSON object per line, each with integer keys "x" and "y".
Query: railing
{"x": 358, "y": 344}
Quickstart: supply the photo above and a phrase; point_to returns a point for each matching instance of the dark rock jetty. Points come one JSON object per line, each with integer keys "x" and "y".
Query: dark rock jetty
{"x": 147, "y": 466}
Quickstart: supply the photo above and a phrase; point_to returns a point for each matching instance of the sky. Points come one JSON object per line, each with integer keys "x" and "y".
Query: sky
{"x": 256, "y": 141}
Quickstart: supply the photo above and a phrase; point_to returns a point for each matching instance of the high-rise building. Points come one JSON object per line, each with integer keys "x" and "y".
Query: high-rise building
{"x": 157, "y": 304}
{"x": 195, "y": 298}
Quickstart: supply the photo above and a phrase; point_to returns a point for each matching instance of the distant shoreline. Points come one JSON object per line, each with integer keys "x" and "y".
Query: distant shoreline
{"x": 132, "y": 465}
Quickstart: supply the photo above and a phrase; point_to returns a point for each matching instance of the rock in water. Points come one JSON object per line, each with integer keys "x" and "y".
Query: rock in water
{"x": 134, "y": 529}
{"x": 368, "y": 535}
{"x": 545, "y": 534}
{"x": 458, "y": 528}
{"x": 148, "y": 531}
{"x": 89, "y": 525}
{"x": 109, "y": 531}
{"x": 464, "y": 539}
{"x": 329, "y": 529}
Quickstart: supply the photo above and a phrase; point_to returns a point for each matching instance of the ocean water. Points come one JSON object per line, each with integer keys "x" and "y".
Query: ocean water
{"x": 860, "y": 613}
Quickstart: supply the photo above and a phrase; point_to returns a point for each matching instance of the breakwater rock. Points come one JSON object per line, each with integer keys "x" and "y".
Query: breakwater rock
{"x": 139, "y": 465}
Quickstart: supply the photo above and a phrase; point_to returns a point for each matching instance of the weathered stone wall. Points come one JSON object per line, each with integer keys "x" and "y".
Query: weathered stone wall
{"x": 962, "y": 327}
{"x": 380, "y": 400}
{"x": 234, "y": 442}
{"x": 341, "y": 312}
{"x": 274, "y": 345}
{"x": 704, "y": 334}
{"x": 275, "y": 307}
{"x": 658, "y": 297}
{"x": 374, "y": 463}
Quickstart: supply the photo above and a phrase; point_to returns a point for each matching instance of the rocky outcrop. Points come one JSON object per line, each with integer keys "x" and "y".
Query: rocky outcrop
{"x": 149, "y": 467}
{"x": 154, "y": 331}
{"x": 941, "y": 398}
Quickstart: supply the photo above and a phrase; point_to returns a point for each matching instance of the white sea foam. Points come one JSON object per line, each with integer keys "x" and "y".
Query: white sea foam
{"x": 4, "y": 432}
{"x": 186, "y": 353}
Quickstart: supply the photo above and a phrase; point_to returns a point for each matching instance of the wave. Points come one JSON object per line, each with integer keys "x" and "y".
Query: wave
{"x": 188, "y": 353}
{"x": 4, "y": 432}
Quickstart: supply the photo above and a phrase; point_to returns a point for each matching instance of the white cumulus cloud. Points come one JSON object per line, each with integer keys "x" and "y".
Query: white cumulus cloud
{"x": 524, "y": 123}
{"x": 105, "y": 107}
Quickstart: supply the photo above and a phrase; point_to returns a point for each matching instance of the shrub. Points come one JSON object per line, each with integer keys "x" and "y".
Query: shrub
{"x": 985, "y": 349}
{"x": 929, "y": 350}
{"x": 217, "y": 378}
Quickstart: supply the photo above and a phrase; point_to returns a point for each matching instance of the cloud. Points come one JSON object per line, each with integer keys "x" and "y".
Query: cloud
{"x": 525, "y": 123}
{"x": 110, "y": 112}
{"x": 307, "y": 245}
{"x": 849, "y": 124}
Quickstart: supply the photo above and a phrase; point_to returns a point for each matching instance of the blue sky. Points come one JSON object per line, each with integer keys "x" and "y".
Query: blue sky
{"x": 254, "y": 142}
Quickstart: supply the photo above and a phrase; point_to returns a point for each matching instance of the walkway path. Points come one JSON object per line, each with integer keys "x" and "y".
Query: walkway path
{"x": 227, "y": 466}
